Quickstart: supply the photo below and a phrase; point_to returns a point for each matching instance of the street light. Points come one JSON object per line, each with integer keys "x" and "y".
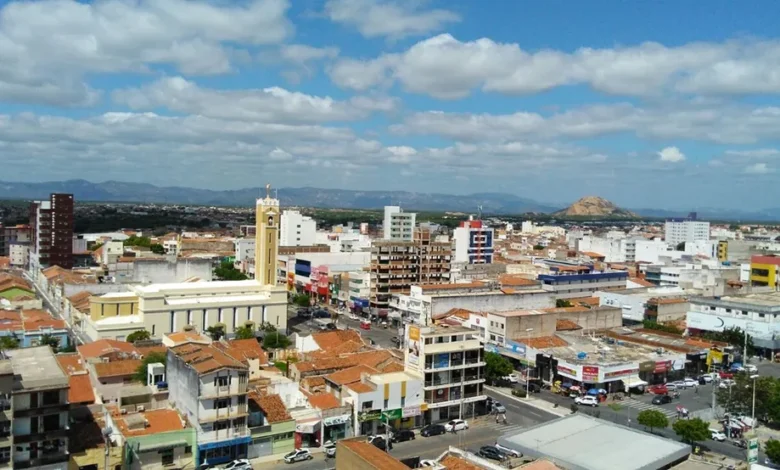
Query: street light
{"x": 753, "y": 413}
{"x": 527, "y": 372}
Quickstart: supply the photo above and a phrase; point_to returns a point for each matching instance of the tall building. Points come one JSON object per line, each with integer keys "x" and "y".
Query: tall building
{"x": 687, "y": 229}
{"x": 51, "y": 224}
{"x": 297, "y": 229}
{"x": 396, "y": 265}
{"x": 266, "y": 238}
{"x": 398, "y": 225}
{"x": 765, "y": 271}
{"x": 473, "y": 243}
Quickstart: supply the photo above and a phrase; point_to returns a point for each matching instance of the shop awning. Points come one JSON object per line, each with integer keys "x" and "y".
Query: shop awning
{"x": 632, "y": 382}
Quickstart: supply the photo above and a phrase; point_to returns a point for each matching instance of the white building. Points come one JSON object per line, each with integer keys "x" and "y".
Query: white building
{"x": 297, "y": 229}
{"x": 473, "y": 243}
{"x": 19, "y": 254}
{"x": 396, "y": 396}
{"x": 633, "y": 302}
{"x": 398, "y": 225}
{"x": 359, "y": 287}
{"x": 245, "y": 253}
{"x": 686, "y": 230}
{"x": 614, "y": 249}
{"x": 652, "y": 251}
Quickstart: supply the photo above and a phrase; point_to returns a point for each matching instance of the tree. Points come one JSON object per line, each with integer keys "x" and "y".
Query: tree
{"x": 538, "y": 248}
{"x": 275, "y": 340}
{"x": 268, "y": 327}
{"x": 216, "y": 332}
{"x": 9, "y": 342}
{"x": 652, "y": 325}
{"x": 140, "y": 335}
{"x": 738, "y": 399}
{"x": 561, "y": 303}
{"x": 680, "y": 246}
{"x": 157, "y": 248}
{"x": 227, "y": 272}
{"x": 245, "y": 332}
{"x": 497, "y": 366}
{"x": 692, "y": 430}
{"x": 302, "y": 300}
{"x": 734, "y": 336}
{"x": 51, "y": 341}
{"x": 652, "y": 419}
{"x": 772, "y": 450}
{"x": 134, "y": 240}
{"x": 141, "y": 373}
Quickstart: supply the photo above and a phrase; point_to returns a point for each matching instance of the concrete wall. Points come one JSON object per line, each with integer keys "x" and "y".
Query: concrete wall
{"x": 493, "y": 303}
{"x": 162, "y": 270}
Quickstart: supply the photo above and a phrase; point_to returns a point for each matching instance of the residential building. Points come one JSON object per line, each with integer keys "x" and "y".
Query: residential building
{"x": 398, "y": 225}
{"x": 154, "y": 439}
{"x": 395, "y": 398}
{"x": 656, "y": 251}
{"x": 15, "y": 235}
{"x": 209, "y": 388}
{"x": 245, "y": 251}
{"x": 40, "y": 410}
{"x": 688, "y": 229}
{"x": 616, "y": 248}
{"x": 51, "y": 225}
{"x": 473, "y": 243}
{"x": 297, "y": 229}
{"x": 764, "y": 271}
{"x": 571, "y": 281}
{"x": 271, "y": 426}
{"x": 397, "y": 265}
{"x": 6, "y": 414}
{"x": 19, "y": 254}
{"x": 29, "y": 326}
{"x": 16, "y": 292}
{"x": 451, "y": 362}
{"x": 359, "y": 290}
{"x": 641, "y": 304}
{"x": 87, "y": 444}
{"x": 357, "y": 454}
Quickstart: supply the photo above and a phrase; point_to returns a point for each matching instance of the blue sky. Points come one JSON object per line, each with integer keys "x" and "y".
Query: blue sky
{"x": 661, "y": 104}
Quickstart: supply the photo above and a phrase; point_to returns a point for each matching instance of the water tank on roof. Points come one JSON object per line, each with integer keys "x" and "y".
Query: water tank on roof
{"x": 581, "y": 355}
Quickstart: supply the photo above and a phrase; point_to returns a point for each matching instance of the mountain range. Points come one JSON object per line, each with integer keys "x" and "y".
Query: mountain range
{"x": 491, "y": 203}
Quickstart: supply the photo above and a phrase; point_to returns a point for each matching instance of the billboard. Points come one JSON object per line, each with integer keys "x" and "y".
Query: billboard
{"x": 590, "y": 374}
{"x": 413, "y": 346}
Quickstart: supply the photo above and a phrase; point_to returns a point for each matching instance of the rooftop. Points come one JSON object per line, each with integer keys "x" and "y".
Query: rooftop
{"x": 37, "y": 368}
{"x": 353, "y": 374}
{"x": 764, "y": 301}
{"x": 71, "y": 363}
{"x": 371, "y": 455}
{"x": 331, "y": 339}
{"x": 324, "y": 401}
{"x": 243, "y": 350}
{"x": 204, "y": 359}
{"x": 80, "y": 390}
{"x": 105, "y": 347}
{"x": 580, "y": 442}
{"x": 196, "y": 286}
{"x": 122, "y": 368}
{"x": 272, "y": 407}
{"x": 148, "y": 422}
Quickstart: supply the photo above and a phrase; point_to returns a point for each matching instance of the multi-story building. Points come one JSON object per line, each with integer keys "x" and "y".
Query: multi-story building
{"x": 567, "y": 281}
{"x": 398, "y": 225}
{"x": 451, "y": 362}
{"x": 6, "y": 415}
{"x": 16, "y": 235}
{"x": 397, "y": 265}
{"x": 614, "y": 249}
{"x": 473, "y": 243}
{"x": 40, "y": 410}
{"x": 687, "y": 229}
{"x": 394, "y": 398}
{"x": 209, "y": 388}
{"x": 51, "y": 224}
{"x": 359, "y": 289}
{"x": 765, "y": 270}
{"x": 297, "y": 229}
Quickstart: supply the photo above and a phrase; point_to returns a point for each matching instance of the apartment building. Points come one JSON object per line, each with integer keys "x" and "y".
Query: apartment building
{"x": 451, "y": 362}
{"x": 614, "y": 248}
{"x": 688, "y": 229}
{"x": 209, "y": 388}
{"x": 6, "y": 414}
{"x": 51, "y": 224}
{"x": 644, "y": 303}
{"x": 359, "y": 290}
{"x": 15, "y": 235}
{"x": 397, "y": 265}
{"x": 40, "y": 410}
{"x": 398, "y": 225}
{"x": 473, "y": 243}
{"x": 571, "y": 281}
{"x": 765, "y": 270}
{"x": 297, "y": 229}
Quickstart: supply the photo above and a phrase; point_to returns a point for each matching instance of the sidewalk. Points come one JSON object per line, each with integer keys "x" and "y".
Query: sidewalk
{"x": 279, "y": 458}
{"x": 537, "y": 403}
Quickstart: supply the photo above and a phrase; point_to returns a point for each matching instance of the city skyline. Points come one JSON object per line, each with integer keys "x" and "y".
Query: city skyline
{"x": 662, "y": 105}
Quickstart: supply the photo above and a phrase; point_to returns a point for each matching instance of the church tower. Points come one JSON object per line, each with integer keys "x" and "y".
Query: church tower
{"x": 266, "y": 238}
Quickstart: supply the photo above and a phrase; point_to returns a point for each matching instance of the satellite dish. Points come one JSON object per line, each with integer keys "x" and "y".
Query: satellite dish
{"x": 107, "y": 431}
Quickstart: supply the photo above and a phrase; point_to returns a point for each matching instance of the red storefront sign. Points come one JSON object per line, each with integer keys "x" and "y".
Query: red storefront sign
{"x": 590, "y": 373}
{"x": 662, "y": 367}
{"x": 620, "y": 373}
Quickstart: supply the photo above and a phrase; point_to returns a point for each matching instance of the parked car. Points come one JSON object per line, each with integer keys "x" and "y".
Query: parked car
{"x": 330, "y": 449}
{"x": 689, "y": 382}
{"x": 510, "y": 452}
{"x": 403, "y": 435}
{"x": 380, "y": 443}
{"x": 658, "y": 389}
{"x": 706, "y": 377}
{"x": 726, "y": 383}
{"x": 498, "y": 407}
{"x": 725, "y": 375}
{"x": 661, "y": 399}
{"x": 678, "y": 384}
{"x": 751, "y": 368}
{"x": 395, "y": 340}
{"x": 331, "y": 326}
{"x": 717, "y": 435}
{"x": 432, "y": 430}
{"x": 238, "y": 464}
{"x": 512, "y": 378}
{"x": 588, "y": 400}
{"x": 304, "y": 313}
{"x": 534, "y": 388}
{"x": 456, "y": 425}
{"x": 672, "y": 387}
{"x": 322, "y": 314}
{"x": 492, "y": 453}
{"x": 298, "y": 455}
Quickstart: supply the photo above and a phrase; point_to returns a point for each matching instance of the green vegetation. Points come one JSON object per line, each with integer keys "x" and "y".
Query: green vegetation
{"x": 244, "y": 332}
{"x": 157, "y": 248}
{"x": 733, "y": 336}
{"x": 302, "y": 300}
{"x": 652, "y": 419}
{"x": 651, "y": 325}
{"x": 141, "y": 335}
{"x": 692, "y": 430}
{"x": 135, "y": 240}
{"x": 680, "y": 246}
{"x": 227, "y": 272}
{"x": 51, "y": 341}
{"x": 562, "y": 303}
{"x": 497, "y": 366}
{"x": 739, "y": 399}
{"x": 141, "y": 373}
{"x": 538, "y": 247}
{"x": 216, "y": 332}
{"x": 275, "y": 340}
{"x": 772, "y": 450}
{"x": 9, "y": 342}
{"x": 615, "y": 407}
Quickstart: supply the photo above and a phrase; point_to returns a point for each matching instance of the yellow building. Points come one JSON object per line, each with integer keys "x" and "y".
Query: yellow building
{"x": 266, "y": 239}
{"x": 723, "y": 250}
{"x": 763, "y": 270}
{"x": 113, "y": 304}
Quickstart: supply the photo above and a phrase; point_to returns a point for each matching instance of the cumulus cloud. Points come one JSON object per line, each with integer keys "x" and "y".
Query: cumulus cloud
{"x": 392, "y": 18}
{"x": 757, "y": 169}
{"x": 671, "y": 154}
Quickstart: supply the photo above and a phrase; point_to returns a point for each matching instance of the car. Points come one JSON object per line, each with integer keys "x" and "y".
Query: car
{"x": 330, "y": 449}
{"x": 238, "y": 464}
{"x": 380, "y": 443}
{"x": 403, "y": 435}
{"x": 322, "y": 314}
{"x": 658, "y": 389}
{"x": 512, "y": 378}
{"x": 506, "y": 450}
{"x": 492, "y": 453}
{"x": 725, "y": 375}
{"x": 588, "y": 400}
{"x": 456, "y": 425}
{"x": 717, "y": 435}
{"x": 661, "y": 399}
{"x": 751, "y": 368}
{"x": 726, "y": 383}
{"x": 428, "y": 463}
{"x": 672, "y": 387}
{"x": 303, "y": 313}
{"x": 395, "y": 340}
{"x": 432, "y": 430}
{"x": 533, "y": 388}
{"x": 678, "y": 384}
{"x": 498, "y": 407}
{"x": 298, "y": 455}
{"x": 331, "y": 326}
{"x": 689, "y": 382}
{"x": 706, "y": 378}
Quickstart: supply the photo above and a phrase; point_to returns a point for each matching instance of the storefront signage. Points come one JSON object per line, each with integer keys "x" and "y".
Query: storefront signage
{"x": 568, "y": 370}
{"x": 390, "y": 415}
{"x": 620, "y": 373}
{"x": 410, "y": 411}
{"x": 456, "y": 402}
{"x": 413, "y": 346}
{"x": 307, "y": 428}
{"x": 369, "y": 415}
{"x": 336, "y": 420}
{"x": 589, "y": 373}
{"x": 515, "y": 347}
{"x": 661, "y": 367}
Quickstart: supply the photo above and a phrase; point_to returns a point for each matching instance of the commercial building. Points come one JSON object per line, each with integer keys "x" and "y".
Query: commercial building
{"x": 451, "y": 363}
{"x": 615, "y": 248}
{"x": 398, "y": 225}
{"x": 656, "y": 303}
{"x": 359, "y": 290}
{"x": 271, "y": 426}
{"x": 209, "y": 388}
{"x": 764, "y": 270}
{"x": 397, "y": 265}
{"x": 688, "y": 229}
{"x": 297, "y": 229}
{"x": 6, "y": 415}
{"x": 571, "y": 281}
{"x": 473, "y": 243}
{"x": 51, "y": 224}
{"x": 153, "y": 439}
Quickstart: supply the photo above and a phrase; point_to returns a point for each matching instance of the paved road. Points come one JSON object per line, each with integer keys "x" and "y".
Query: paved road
{"x": 380, "y": 336}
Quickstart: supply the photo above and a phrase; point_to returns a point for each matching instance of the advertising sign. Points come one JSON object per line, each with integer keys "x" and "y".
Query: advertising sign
{"x": 752, "y": 453}
{"x": 515, "y": 347}
{"x": 568, "y": 370}
{"x": 620, "y": 373}
{"x": 390, "y": 415}
{"x": 662, "y": 367}
{"x": 410, "y": 411}
{"x": 413, "y": 346}
{"x": 589, "y": 373}
{"x": 369, "y": 415}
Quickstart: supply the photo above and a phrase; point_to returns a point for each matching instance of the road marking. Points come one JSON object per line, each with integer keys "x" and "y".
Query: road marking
{"x": 640, "y": 405}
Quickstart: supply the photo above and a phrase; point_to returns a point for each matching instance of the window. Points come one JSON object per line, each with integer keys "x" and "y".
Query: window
{"x": 221, "y": 403}
{"x": 242, "y": 399}
{"x": 188, "y": 449}
{"x": 221, "y": 425}
{"x": 368, "y": 405}
{"x": 221, "y": 381}
{"x": 761, "y": 315}
{"x": 166, "y": 457}
{"x": 153, "y": 328}
{"x": 403, "y": 401}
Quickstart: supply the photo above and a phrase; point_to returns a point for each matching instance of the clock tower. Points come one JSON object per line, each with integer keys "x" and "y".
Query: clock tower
{"x": 266, "y": 238}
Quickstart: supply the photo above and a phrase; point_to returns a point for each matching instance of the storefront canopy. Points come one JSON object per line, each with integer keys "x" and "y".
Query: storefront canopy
{"x": 632, "y": 382}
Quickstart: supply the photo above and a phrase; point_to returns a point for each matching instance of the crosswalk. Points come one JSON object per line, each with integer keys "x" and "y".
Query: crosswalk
{"x": 502, "y": 428}
{"x": 640, "y": 405}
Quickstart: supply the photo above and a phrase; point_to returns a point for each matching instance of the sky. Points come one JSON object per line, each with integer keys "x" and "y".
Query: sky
{"x": 661, "y": 104}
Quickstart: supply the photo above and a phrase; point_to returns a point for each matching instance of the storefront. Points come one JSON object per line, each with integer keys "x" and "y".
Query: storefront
{"x": 403, "y": 418}
{"x": 337, "y": 427}
{"x": 368, "y": 421}
{"x": 307, "y": 433}
{"x": 512, "y": 350}
{"x": 447, "y": 410}
{"x": 612, "y": 377}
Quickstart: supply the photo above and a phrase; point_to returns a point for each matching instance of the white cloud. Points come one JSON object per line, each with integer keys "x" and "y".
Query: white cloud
{"x": 754, "y": 153}
{"x": 446, "y": 68}
{"x": 391, "y": 18}
{"x": 267, "y": 105}
{"x": 671, "y": 154}
{"x": 758, "y": 169}
{"x": 301, "y": 53}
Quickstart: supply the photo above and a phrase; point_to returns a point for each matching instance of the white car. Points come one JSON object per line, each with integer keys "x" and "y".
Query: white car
{"x": 428, "y": 463}
{"x": 588, "y": 400}
{"x": 298, "y": 455}
{"x": 514, "y": 378}
{"x": 456, "y": 425}
{"x": 512, "y": 453}
{"x": 726, "y": 383}
{"x": 717, "y": 435}
{"x": 707, "y": 378}
{"x": 751, "y": 368}
{"x": 672, "y": 386}
{"x": 330, "y": 449}
{"x": 689, "y": 382}
{"x": 240, "y": 464}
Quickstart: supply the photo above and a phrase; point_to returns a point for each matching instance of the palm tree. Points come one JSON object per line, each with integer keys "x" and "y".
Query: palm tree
{"x": 51, "y": 341}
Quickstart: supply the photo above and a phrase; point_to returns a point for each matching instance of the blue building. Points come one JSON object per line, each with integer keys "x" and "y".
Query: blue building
{"x": 30, "y": 326}
{"x": 473, "y": 243}
{"x": 571, "y": 281}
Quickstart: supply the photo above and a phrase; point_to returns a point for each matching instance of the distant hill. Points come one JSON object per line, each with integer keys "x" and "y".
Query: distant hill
{"x": 117, "y": 191}
{"x": 593, "y": 206}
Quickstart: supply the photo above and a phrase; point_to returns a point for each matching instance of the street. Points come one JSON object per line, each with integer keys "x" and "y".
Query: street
{"x": 79, "y": 336}
{"x": 380, "y": 336}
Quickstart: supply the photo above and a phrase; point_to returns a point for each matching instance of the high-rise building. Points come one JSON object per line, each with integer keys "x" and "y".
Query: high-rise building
{"x": 473, "y": 243}
{"x": 266, "y": 238}
{"x": 398, "y": 225}
{"x": 687, "y": 229}
{"x": 51, "y": 224}
{"x": 297, "y": 229}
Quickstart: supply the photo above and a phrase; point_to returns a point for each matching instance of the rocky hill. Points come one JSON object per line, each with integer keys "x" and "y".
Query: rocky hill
{"x": 593, "y": 206}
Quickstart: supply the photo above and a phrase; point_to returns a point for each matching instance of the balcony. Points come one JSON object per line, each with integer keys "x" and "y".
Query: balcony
{"x": 42, "y": 410}
{"x": 59, "y": 456}
{"x": 222, "y": 435}
{"x": 44, "y": 435}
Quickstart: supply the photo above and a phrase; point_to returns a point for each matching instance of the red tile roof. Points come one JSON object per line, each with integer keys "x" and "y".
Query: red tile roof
{"x": 204, "y": 359}
{"x": 35, "y": 320}
{"x": 331, "y": 339}
{"x": 348, "y": 376}
{"x": 372, "y": 457}
{"x": 71, "y": 363}
{"x": 156, "y": 421}
{"x": 452, "y": 462}
{"x": 80, "y": 391}
{"x": 272, "y": 406}
{"x": 125, "y": 368}
{"x": 324, "y": 401}
{"x": 104, "y": 347}
{"x": 243, "y": 350}
{"x": 641, "y": 282}
{"x": 543, "y": 342}
{"x": 566, "y": 325}
{"x": 514, "y": 280}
